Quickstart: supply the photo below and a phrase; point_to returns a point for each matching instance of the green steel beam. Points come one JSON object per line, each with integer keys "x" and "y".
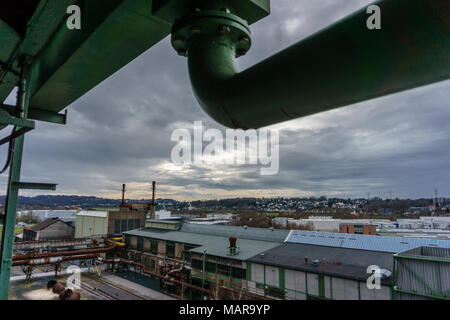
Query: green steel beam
{"x": 6, "y": 119}
{"x": 46, "y": 18}
{"x": 34, "y": 185}
{"x": 420, "y": 294}
{"x": 38, "y": 114}
{"x": 422, "y": 258}
{"x": 9, "y": 219}
{"x": 341, "y": 65}
{"x": 10, "y": 42}
{"x": 112, "y": 34}
{"x": 394, "y": 275}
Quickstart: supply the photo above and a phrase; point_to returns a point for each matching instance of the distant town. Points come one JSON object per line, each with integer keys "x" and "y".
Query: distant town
{"x": 295, "y": 207}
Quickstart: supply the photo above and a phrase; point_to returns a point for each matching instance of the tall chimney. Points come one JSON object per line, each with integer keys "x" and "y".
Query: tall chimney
{"x": 123, "y": 195}
{"x": 153, "y": 204}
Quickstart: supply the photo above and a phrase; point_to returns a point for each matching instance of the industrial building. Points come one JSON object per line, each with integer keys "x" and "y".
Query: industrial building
{"x": 358, "y": 228}
{"x": 50, "y": 229}
{"x": 112, "y": 222}
{"x": 330, "y": 224}
{"x": 271, "y": 263}
{"x": 305, "y": 271}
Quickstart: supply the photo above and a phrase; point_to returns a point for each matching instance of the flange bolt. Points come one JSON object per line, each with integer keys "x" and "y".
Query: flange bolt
{"x": 224, "y": 29}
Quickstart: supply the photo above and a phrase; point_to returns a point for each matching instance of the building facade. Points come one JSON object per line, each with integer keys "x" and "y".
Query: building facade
{"x": 50, "y": 229}
{"x": 357, "y": 228}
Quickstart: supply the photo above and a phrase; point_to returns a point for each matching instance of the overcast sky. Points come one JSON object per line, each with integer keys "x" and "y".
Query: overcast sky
{"x": 120, "y": 131}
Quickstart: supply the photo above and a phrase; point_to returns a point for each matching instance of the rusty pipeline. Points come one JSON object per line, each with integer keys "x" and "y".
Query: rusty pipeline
{"x": 64, "y": 253}
{"x": 52, "y": 260}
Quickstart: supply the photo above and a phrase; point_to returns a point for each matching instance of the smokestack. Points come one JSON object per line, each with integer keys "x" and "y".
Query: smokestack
{"x": 123, "y": 194}
{"x": 153, "y": 204}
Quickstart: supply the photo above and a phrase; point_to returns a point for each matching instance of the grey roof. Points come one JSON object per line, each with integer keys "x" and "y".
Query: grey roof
{"x": 363, "y": 242}
{"x": 339, "y": 262}
{"x": 215, "y": 245}
{"x": 46, "y": 223}
{"x": 247, "y": 248}
{"x": 263, "y": 234}
{"x": 164, "y": 221}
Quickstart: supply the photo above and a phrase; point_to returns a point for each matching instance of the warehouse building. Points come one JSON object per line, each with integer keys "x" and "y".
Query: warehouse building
{"x": 50, "y": 229}
{"x": 305, "y": 271}
{"x": 111, "y": 222}
{"x": 278, "y": 264}
{"x": 358, "y": 228}
{"x": 164, "y": 245}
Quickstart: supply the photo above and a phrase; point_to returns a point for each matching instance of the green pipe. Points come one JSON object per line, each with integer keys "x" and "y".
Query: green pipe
{"x": 343, "y": 64}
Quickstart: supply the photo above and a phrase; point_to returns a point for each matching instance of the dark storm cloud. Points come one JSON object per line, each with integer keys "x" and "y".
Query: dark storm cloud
{"x": 120, "y": 131}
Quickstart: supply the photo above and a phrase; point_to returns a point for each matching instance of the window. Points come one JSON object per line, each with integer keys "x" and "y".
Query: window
{"x": 123, "y": 225}
{"x": 170, "y": 249}
{"x": 223, "y": 269}
{"x": 117, "y": 226}
{"x": 197, "y": 264}
{"x": 153, "y": 264}
{"x": 140, "y": 243}
{"x": 187, "y": 253}
{"x": 238, "y": 273}
{"x": 130, "y": 224}
{"x": 358, "y": 229}
{"x": 271, "y": 291}
{"x": 153, "y": 246}
{"x": 137, "y": 223}
{"x": 210, "y": 267}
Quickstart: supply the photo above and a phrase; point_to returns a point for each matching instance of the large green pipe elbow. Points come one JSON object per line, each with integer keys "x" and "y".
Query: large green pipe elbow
{"x": 341, "y": 65}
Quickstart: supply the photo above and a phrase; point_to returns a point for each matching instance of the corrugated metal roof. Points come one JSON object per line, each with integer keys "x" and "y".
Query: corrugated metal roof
{"x": 341, "y": 262}
{"x": 363, "y": 242}
{"x": 215, "y": 245}
{"x": 263, "y": 234}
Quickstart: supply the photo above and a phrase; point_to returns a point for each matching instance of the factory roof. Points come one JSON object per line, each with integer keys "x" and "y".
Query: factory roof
{"x": 363, "y": 242}
{"x": 46, "y": 223}
{"x": 166, "y": 221}
{"x": 91, "y": 213}
{"x": 263, "y": 234}
{"x": 214, "y": 245}
{"x": 339, "y": 262}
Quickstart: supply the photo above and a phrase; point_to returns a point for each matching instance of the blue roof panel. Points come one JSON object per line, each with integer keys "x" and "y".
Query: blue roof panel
{"x": 363, "y": 242}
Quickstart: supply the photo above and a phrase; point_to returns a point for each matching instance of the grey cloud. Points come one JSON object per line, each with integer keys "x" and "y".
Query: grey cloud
{"x": 120, "y": 131}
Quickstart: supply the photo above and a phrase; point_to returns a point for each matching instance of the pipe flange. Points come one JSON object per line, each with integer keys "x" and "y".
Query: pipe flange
{"x": 211, "y": 24}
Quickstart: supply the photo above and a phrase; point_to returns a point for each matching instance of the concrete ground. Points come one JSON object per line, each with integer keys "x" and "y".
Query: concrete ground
{"x": 36, "y": 289}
